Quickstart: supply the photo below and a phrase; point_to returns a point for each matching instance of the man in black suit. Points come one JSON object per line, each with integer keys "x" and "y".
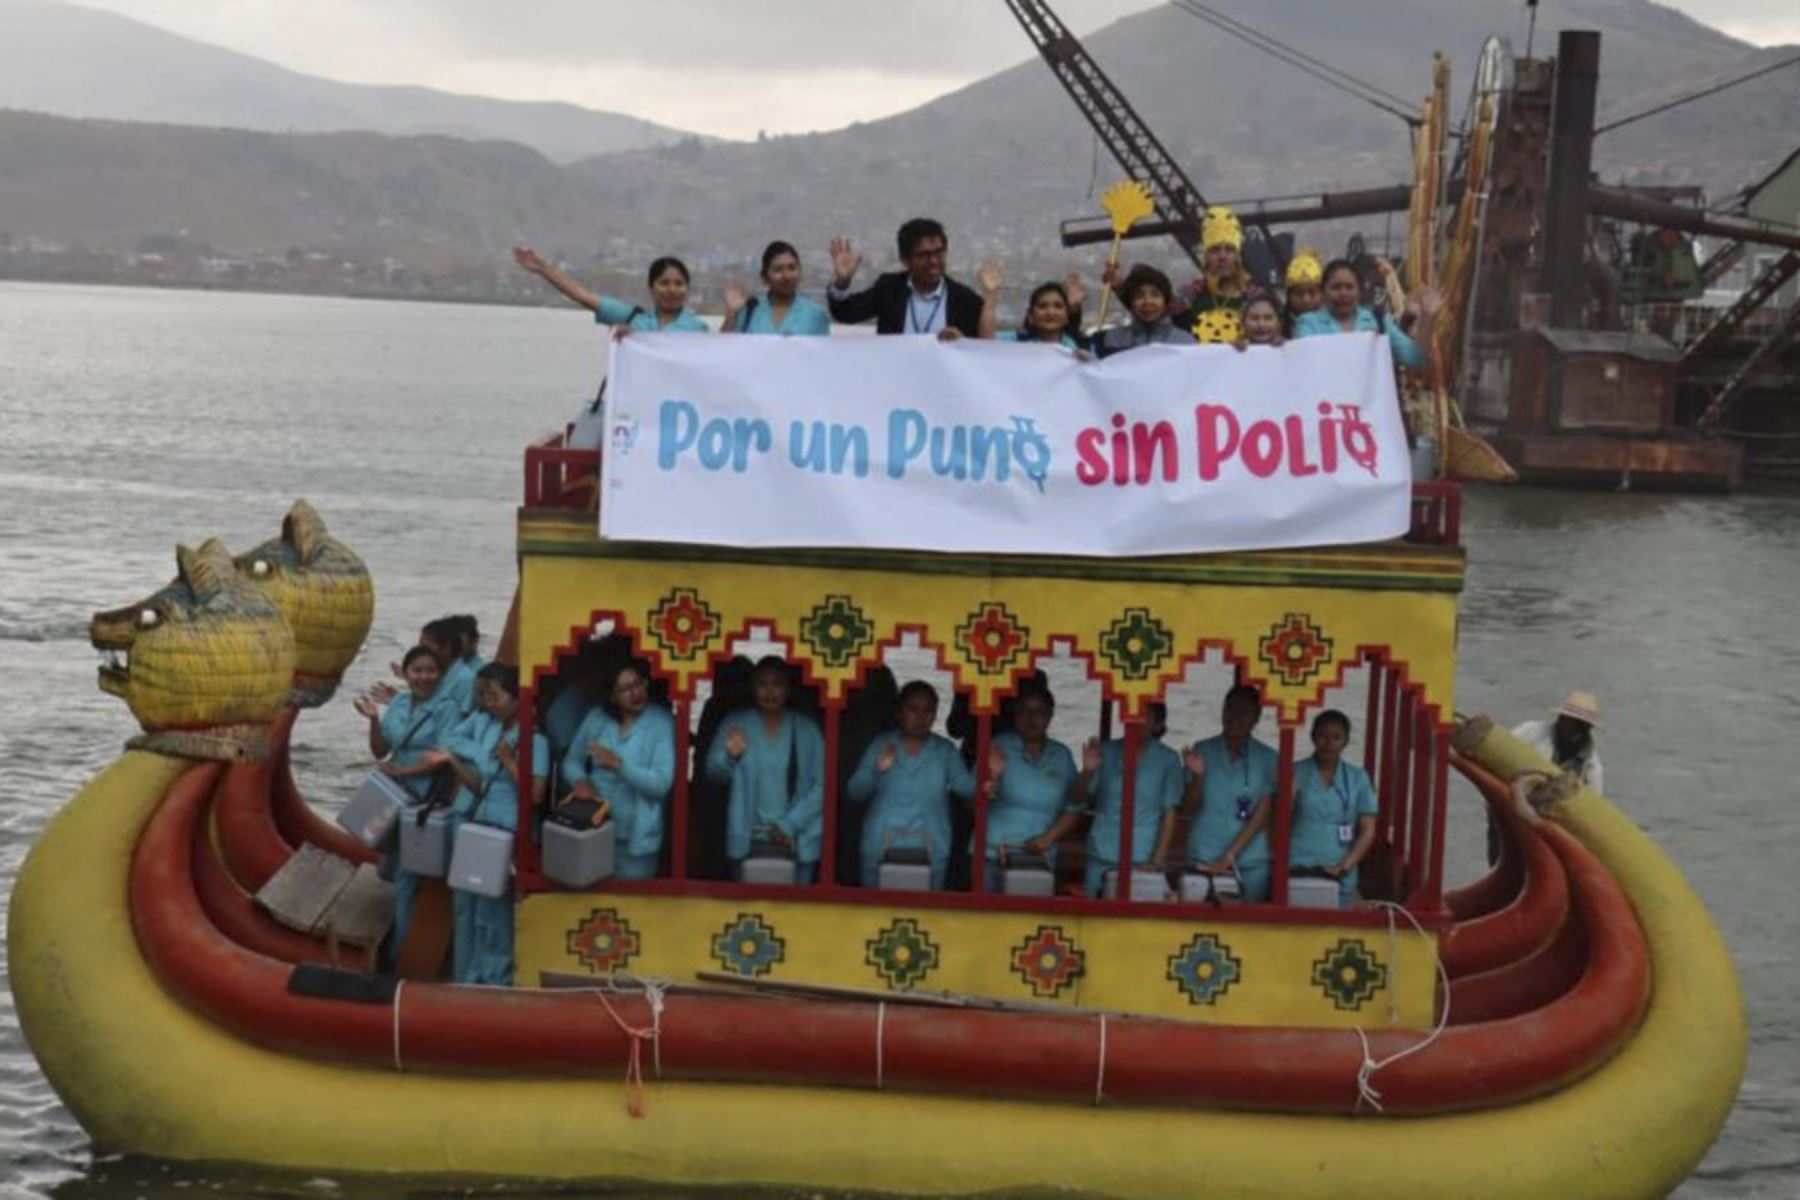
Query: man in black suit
{"x": 920, "y": 299}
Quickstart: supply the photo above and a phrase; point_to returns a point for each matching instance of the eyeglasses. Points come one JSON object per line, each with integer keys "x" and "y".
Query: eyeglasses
{"x": 626, "y": 686}
{"x": 930, "y": 252}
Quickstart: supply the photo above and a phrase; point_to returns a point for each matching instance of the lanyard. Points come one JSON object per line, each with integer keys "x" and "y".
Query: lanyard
{"x": 1339, "y": 788}
{"x": 912, "y": 314}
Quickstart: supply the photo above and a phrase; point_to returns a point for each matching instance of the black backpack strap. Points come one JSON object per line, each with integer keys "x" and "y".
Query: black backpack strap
{"x": 742, "y": 326}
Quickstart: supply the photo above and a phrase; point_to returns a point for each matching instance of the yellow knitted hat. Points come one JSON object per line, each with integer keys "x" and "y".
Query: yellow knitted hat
{"x": 1220, "y": 227}
{"x": 1305, "y": 269}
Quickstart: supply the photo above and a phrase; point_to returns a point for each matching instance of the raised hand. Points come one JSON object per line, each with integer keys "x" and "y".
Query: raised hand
{"x": 1110, "y": 275}
{"x": 530, "y": 259}
{"x": 949, "y": 333}
{"x": 991, "y": 276}
{"x": 603, "y": 757}
{"x": 885, "y": 760}
{"x": 844, "y": 261}
{"x": 735, "y": 296}
{"x": 437, "y": 756}
{"x": 736, "y": 743}
{"x": 1429, "y": 301}
{"x": 1194, "y": 763}
{"x": 1074, "y": 289}
{"x": 1038, "y": 844}
{"x": 1090, "y": 755}
{"x": 507, "y": 753}
{"x": 366, "y": 706}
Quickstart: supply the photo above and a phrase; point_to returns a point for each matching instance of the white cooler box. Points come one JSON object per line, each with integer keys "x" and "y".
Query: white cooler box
{"x": 1148, "y": 886}
{"x": 1195, "y": 889}
{"x": 769, "y": 864}
{"x": 578, "y": 856}
{"x": 370, "y": 815}
{"x": 425, "y": 847}
{"x": 481, "y": 863}
{"x": 1308, "y": 892}
{"x": 904, "y": 869}
{"x": 1024, "y": 874}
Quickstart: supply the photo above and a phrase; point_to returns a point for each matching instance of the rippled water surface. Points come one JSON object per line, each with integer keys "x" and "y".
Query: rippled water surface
{"x": 133, "y": 419}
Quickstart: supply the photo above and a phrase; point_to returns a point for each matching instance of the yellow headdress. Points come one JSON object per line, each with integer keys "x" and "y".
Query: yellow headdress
{"x": 1220, "y": 227}
{"x": 1305, "y": 270}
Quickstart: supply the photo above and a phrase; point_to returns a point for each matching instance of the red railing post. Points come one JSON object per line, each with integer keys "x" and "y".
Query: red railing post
{"x": 678, "y": 837}
{"x": 525, "y": 852}
{"x": 828, "y": 852}
{"x": 1400, "y": 861}
{"x": 1372, "y": 724}
{"x": 1424, "y": 831}
{"x": 1284, "y": 816}
{"x": 1134, "y": 734}
{"x": 984, "y": 729}
{"x": 1390, "y": 720}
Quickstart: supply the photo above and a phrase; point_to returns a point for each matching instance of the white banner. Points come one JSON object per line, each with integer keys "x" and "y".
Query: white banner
{"x": 972, "y": 446}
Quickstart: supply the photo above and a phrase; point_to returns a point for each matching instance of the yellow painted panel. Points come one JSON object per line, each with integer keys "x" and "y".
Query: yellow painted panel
{"x": 1294, "y": 641}
{"x": 1225, "y": 972}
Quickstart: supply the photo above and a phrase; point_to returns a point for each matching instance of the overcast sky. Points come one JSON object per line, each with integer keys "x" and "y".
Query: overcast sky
{"x": 725, "y": 67}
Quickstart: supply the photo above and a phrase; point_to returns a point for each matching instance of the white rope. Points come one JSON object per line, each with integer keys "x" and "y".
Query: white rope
{"x": 399, "y": 987}
{"x": 1100, "y": 1075}
{"x": 655, "y": 995}
{"x": 880, "y": 1034}
{"x": 1366, "y": 1091}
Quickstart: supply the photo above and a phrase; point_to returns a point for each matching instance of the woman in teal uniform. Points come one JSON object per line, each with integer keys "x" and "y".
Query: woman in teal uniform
{"x": 1334, "y": 807}
{"x": 1030, "y": 778}
{"x": 1158, "y": 793}
{"x": 1344, "y": 312}
{"x": 624, "y": 753}
{"x": 779, "y": 310}
{"x": 907, "y": 777}
{"x": 401, "y": 736}
{"x": 1052, "y": 313}
{"x": 667, "y": 281}
{"x": 484, "y": 754}
{"x": 1236, "y": 776}
{"x": 774, "y": 761}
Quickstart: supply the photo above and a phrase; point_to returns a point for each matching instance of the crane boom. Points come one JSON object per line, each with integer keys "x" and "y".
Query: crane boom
{"x": 1178, "y": 202}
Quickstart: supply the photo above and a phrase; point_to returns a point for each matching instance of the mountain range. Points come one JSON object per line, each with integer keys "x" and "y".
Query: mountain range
{"x": 82, "y": 62}
{"x": 1000, "y": 161}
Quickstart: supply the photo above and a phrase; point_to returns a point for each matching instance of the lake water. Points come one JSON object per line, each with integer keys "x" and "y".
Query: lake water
{"x": 132, "y": 419}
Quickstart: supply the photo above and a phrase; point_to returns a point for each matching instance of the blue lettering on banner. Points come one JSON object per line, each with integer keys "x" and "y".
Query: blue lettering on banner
{"x": 718, "y": 443}
{"x": 970, "y": 453}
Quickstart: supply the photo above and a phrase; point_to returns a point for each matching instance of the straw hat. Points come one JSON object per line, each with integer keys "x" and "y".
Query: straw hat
{"x": 1582, "y": 706}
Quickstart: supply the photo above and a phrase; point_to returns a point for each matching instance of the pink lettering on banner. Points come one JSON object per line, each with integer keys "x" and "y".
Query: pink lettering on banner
{"x": 1265, "y": 446}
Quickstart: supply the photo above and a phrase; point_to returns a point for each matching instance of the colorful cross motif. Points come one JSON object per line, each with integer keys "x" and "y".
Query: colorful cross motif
{"x": 1295, "y": 649}
{"x": 992, "y": 638}
{"x": 748, "y": 946}
{"x": 1349, "y": 974}
{"x": 902, "y": 954}
{"x": 1204, "y": 969}
{"x": 604, "y": 941}
{"x": 683, "y": 624}
{"x": 837, "y": 631}
{"x": 1136, "y": 644}
{"x": 1049, "y": 961}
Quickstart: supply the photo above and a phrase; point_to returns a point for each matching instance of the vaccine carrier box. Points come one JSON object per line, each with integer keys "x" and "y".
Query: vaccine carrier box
{"x": 904, "y": 869}
{"x": 370, "y": 815}
{"x": 425, "y": 846}
{"x": 578, "y": 853}
{"x": 481, "y": 862}
{"x": 769, "y": 863}
{"x": 1309, "y": 892}
{"x": 1197, "y": 887}
{"x": 1024, "y": 874}
{"x": 1147, "y": 885}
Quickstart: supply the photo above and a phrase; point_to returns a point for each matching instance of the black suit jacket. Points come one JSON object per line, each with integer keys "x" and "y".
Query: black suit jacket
{"x": 885, "y": 301}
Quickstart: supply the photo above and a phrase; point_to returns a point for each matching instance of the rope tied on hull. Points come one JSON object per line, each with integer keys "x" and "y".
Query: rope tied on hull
{"x": 636, "y": 1036}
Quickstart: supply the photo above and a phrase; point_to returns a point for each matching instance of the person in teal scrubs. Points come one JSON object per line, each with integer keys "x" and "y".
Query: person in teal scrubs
{"x": 624, "y": 753}
{"x": 907, "y": 777}
{"x": 484, "y": 754}
{"x": 1344, "y": 312}
{"x": 667, "y": 281}
{"x": 1334, "y": 807}
{"x": 774, "y": 760}
{"x": 1051, "y": 316}
{"x": 1236, "y": 777}
{"x": 413, "y": 722}
{"x": 1158, "y": 794}
{"x": 779, "y": 310}
{"x": 1030, "y": 786}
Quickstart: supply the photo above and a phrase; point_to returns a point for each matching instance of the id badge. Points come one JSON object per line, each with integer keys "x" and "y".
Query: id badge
{"x": 1244, "y": 806}
{"x": 1346, "y": 834}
